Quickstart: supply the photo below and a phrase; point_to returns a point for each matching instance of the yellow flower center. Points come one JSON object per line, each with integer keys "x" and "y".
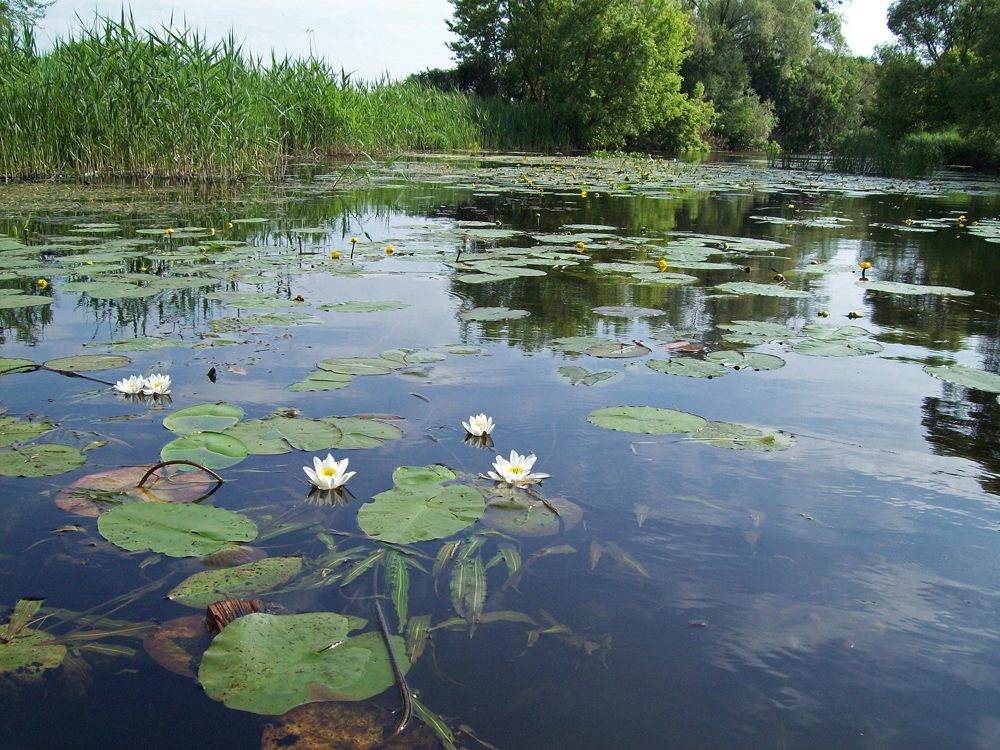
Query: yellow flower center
{"x": 516, "y": 470}
{"x": 326, "y": 471}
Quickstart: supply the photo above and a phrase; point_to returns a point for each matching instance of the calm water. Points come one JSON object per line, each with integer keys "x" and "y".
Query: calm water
{"x": 842, "y": 593}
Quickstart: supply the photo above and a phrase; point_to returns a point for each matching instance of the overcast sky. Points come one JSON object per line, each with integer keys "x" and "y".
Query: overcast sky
{"x": 370, "y": 37}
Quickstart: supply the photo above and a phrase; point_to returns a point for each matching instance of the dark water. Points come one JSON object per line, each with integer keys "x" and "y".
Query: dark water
{"x": 842, "y": 593}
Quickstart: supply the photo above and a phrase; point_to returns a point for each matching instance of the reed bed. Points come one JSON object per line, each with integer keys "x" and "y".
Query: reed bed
{"x": 113, "y": 99}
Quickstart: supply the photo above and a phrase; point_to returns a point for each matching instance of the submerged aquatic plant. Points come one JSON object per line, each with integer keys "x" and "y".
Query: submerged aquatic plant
{"x": 479, "y": 425}
{"x": 328, "y": 474}
{"x": 516, "y": 471}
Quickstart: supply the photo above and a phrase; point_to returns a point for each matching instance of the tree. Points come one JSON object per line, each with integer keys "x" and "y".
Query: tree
{"x": 607, "y": 69}
{"x": 19, "y": 14}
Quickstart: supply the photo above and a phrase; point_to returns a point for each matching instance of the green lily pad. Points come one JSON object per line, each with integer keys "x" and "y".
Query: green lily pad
{"x": 491, "y": 314}
{"x": 260, "y": 437}
{"x": 173, "y": 529}
{"x": 521, "y": 515}
{"x": 484, "y": 278}
{"x": 145, "y": 344}
{"x": 688, "y": 368}
{"x": 12, "y": 431}
{"x": 358, "y": 433}
{"x": 412, "y": 356}
{"x": 203, "y": 418}
{"x": 208, "y": 587}
{"x": 627, "y": 311}
{"x": 307, "y": 434}
{"x": 209, "y": 449}
{"x": 321, "y": 380}
{"x": 970, "y": 377}
{"x": 420, "y": 512}
{"x": 755, "y": 333}
{"x": 269, "y": 664}
{"x": 765, "y": 290}
{"x": 616, "y": 351}
{"x": 8, "y": 365}
{"x": 360, "y": 366}
{"x": 578, "y": 344}
{"x": 898, "y": 287}
{"x": 43, "y": 460}
{"x": 88, "y": 363}
{"x": 826, "y": 332}
{"x": 581, "y": 376}
{"x": 646, "y": 420}
{"x": 748, "y": 361}
{"x": 410, "y": 475}
{"x": 843, "y": 348}
{"x": 743, "y": 438}
{"x": 11, "y": 301}
{"x": 364, "y": 306}
{"x": 30, "y": 653}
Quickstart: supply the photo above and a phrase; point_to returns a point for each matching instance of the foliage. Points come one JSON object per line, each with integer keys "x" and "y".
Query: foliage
{"x": 21, "y": 14}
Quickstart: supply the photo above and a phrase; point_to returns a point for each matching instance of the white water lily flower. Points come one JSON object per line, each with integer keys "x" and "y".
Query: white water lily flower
{"x": 157, "y": 385}
{"x": 479, "y": 426}
{"x": 131, "y": 386}
{"x": 328, "y": 474}
{"x": 516, "y": 471}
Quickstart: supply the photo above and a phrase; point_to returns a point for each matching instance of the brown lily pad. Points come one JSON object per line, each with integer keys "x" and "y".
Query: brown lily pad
{"x": 177, "y": 645}
{"x": 91, "y": 494}
{"x": 344, "y": 726}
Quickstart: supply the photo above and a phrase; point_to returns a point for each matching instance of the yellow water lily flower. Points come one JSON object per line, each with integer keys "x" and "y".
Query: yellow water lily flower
{"x": 328, "y": 474}
{"x": 229, "y": 225}
{"x": 42, "y": 283}
{"x": 168, "y": 231}
{"x": 661, "y": 265}
{"x": 334, "y": 255}
{"x": 390, "y": 250}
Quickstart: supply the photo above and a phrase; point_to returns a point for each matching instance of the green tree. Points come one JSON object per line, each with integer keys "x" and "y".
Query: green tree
{"x": 608, "y": 70}
{"x": 19, "y": 14}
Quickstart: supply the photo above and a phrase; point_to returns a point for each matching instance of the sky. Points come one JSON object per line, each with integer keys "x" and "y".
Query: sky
{"x": 369, "y": 38}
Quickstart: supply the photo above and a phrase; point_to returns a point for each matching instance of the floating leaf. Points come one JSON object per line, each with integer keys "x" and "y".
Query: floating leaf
{"x": 321, "y": 380}
{"x": 268, "y": 664}
{"x": 765, "y": 290}
{"x": 212, "y": 450}
{"x": 174, "y": 530}
{"x": 826, "y": 332}
{"x": 364, "y": 306}
{"x": 344, "y": 726}
{"x": 898, "y": 287}
{"x": 616, "y": 351}
{"x": 411, "y": 475}
{"x": 578, "y": 344}
{"x": 646, "y": 420}
{"x": 88, "y": 363}
{"x": 260, "y": 437}
{"x": 210, "y": 586}
{"x": 420, "y": 512}
{"x": 743, "y": 438}
{"x": 626, "y": 311}
{"x": 397, "y": 576}
{"x": 203, "y": 418}
{"x": 8, "y": 365}
{"x": 970, "y": 377}
{"x": 688, "y": 368}
{"x": 360, "y": 433}
{"x": 748, "y": 361}
{"x": 30, "y": 653}
{"x": 360, "y": 366}
{"x": 755, "y": 333}
{"x": 491, "y": 314}
{"x": 11, "y": 301}
{"x": 843, "y": 348}
{"x": 580, "y": 376}
{"x": 12, "y": 431}
{"x": 88, "y": 495}
{"x": 412, "y": 356}
{"x": 177, "y": 645}
{"x": 533, "y": 518}
{"x": 307, "y": 434}
{"x": 43, "y": 460}
{"x": 145, "y": 344}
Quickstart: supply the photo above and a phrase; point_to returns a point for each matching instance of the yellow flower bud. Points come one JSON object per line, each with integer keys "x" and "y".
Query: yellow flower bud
{"x": 390, "y": 250}
{"x": 42, "y": 283}
{"x": 866, "y": 265}
{"x": 335, "y": 255}
{"x": 662, "y": 265}
{"x": 168, "y": 231}
{"x": 354, "y": 240}
{"x": 229, "y": 225}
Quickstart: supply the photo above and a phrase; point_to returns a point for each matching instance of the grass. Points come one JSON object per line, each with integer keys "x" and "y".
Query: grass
{"x": 116, "y": 100}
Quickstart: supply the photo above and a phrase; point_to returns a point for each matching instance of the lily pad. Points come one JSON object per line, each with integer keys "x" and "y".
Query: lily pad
{"x": 617, "y": 351}
{"x": 88, "y": 363}
{"x": 410, "y": 475}
{"x": 688, "y": 368}
{"x": 11, "y": 301}
{"x": 627, "y": 311}
{"x": 177, "y": 645}
{"x": 412, "y": 356}
{"x": 581, "y": 376}
{"x": 748, "y": 361}
{"x": 203, "y": 418}
{"x": 269, "y": 664}
{"x": 825, "y": 332}
{"x": 145, "y": 344}
{"x": 260, "y": 437}
{"x": 344, "y": 726}
{"x": 364, "y": 306}
{"x": 174, "y": 530}
{"x": 970, "y": 377}
{"x": 358, "y": 433}
{"x": 206, "y": 588}
{"x": 212, "y": 450}
{"x": 8, "y": 365}
{"x": 646, "y": 420}
{"x": 30, "y": 653}
{"x": 491, "y": 314}
{"x": 307, "y": 434}
{"x": 743, "y": 438}
{"x": 360, "y": 366}
{"x": 842, "y": 348}
{"x": 578, "y": 344}
{"x": 43, "y": 460}
{"x": 420, "y": 512}
{"x": 755, "y": 333}
{"x": 898, "y": 287}
{"x": 765, "y": 290}
{"x": 89, "y": 495}
{"x": 13, "y": 430}
{"x": 321, "y": 380}
{"x": 534, "y": 519}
